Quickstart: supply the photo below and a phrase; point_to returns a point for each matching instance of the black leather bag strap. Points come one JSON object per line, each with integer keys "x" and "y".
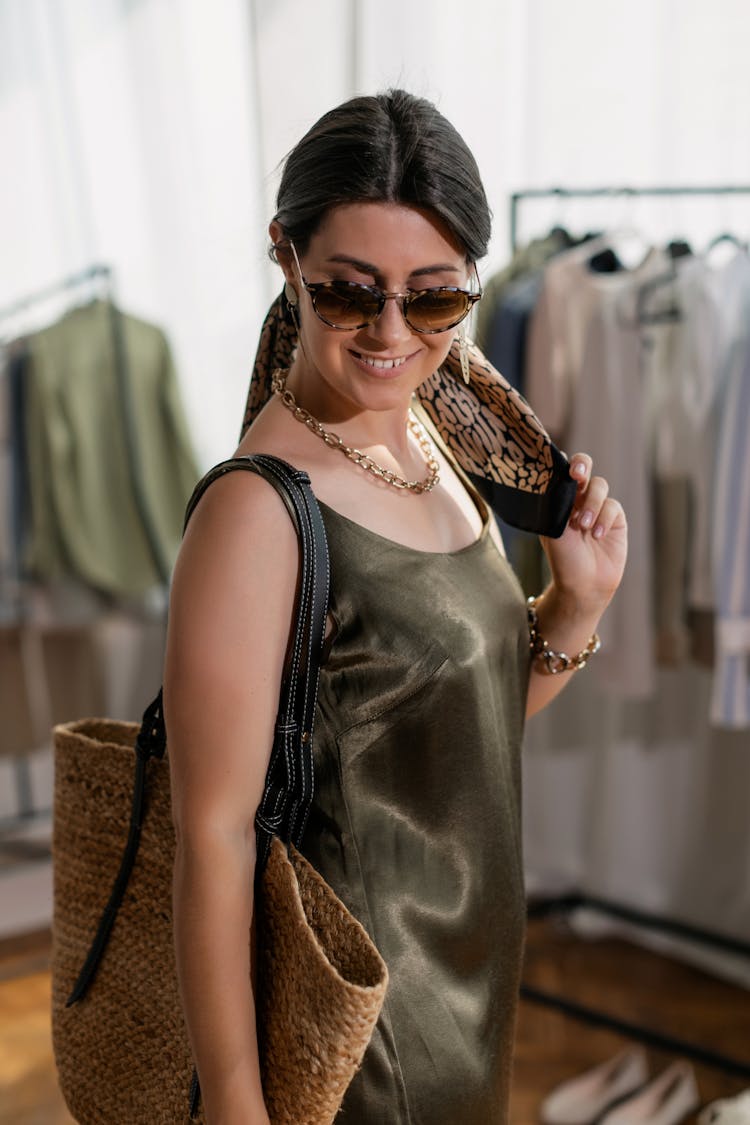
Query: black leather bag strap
{"x": 288, "y": 791}
{"x": 150, "y": 743}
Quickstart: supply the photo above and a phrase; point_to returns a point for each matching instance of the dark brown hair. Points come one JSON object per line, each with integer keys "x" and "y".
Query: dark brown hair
{"x": 389, "y": 148}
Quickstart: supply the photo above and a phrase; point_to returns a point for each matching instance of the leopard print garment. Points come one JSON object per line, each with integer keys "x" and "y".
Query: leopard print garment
{"x": 488, "y": 427}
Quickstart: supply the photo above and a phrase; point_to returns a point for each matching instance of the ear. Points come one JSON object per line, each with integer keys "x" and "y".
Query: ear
{"x": 283, "y": 253}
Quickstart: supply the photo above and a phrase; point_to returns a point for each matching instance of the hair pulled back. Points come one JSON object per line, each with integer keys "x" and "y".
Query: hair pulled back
{"x": 388, "y": 148}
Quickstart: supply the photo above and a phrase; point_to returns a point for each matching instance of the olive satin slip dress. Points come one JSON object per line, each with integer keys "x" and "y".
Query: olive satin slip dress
{"x": 416, "y": 820}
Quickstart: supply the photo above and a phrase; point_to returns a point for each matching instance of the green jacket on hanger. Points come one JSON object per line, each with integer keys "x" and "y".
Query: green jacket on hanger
{"x": 110, "y": 462}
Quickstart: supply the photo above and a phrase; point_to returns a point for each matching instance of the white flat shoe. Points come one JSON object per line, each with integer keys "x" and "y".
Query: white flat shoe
{"x": 667, "y": 1100}
{"x": 583, "y": 1099}
{"x": 727, "y": 1111}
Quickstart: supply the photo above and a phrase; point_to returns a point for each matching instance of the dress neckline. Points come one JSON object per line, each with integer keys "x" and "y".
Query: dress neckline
{"x": 481, "y": 538}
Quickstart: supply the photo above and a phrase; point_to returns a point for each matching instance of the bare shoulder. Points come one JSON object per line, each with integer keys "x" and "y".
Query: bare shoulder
{"x": 236, "y": 572}
{"x": 239, "y": 517}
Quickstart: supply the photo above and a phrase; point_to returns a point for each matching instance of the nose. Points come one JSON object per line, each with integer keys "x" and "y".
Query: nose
{"x": 390, "y": 328}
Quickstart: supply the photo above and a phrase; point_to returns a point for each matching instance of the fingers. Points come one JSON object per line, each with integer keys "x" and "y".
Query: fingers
{"x": 581, "y": 466}
{"x": 593, "y": 509}
{"x": 580, "y": 469}
{"x": 611, "y": 515}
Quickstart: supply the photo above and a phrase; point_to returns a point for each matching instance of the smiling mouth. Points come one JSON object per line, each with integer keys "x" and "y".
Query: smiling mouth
{"x": 381, "y": 364}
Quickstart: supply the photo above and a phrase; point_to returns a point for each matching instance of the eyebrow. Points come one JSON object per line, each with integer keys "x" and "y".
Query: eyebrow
{"x": 368, "y": 267}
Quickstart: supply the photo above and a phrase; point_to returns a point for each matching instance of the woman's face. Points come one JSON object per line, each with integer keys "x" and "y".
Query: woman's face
{"x": 396, "y": 248}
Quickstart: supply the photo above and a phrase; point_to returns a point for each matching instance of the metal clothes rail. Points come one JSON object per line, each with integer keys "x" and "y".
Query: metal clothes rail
{"x": 517, "y": 197}
{"x": 90, "y": 273}
{"x": 597, "y": 1017}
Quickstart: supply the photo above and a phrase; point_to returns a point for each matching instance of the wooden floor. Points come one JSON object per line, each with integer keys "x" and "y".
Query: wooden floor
{"x": 28, "y": 1087}
{"x": 630, "y": 982}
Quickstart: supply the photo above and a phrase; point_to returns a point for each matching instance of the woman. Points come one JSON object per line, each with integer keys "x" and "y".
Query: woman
{"x": 428, "y": 675}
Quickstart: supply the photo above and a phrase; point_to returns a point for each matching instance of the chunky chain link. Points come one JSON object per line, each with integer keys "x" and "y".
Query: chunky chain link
{"x": 556, "y": 662}
{"x": 278, "y": 385}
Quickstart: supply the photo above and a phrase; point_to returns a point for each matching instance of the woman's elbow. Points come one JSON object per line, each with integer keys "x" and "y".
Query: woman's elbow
{"x": 213, "y": 840}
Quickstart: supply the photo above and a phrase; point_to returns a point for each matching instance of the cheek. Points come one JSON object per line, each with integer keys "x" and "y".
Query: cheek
{"x": 318, "y": 335}
{"x": 440, "y": 345}
{"x": 325, "y": 346}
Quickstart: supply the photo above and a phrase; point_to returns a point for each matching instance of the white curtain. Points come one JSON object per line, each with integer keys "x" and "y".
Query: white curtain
{"x": 147, "y": 134}
{"x": 130, "y": 136}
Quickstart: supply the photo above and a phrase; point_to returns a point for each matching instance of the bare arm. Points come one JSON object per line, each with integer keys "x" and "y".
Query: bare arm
{"x": 230, "y": 615}
{"x": 587, "y": 563}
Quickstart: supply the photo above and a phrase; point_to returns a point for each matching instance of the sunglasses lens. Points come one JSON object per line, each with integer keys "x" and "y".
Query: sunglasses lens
{"x": 437, "y": 309}
{"x": 346, "y": 305}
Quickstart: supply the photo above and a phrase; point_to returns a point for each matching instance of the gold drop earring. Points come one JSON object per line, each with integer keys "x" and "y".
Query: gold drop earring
{"x": 292, "y": 300}
{"x": 463, "y": 354}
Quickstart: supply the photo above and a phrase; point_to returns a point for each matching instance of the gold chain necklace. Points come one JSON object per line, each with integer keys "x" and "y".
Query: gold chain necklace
{"x": 278, "y": 385}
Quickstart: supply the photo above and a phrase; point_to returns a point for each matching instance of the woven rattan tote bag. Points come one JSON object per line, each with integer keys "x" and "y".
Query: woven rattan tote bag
{"x": 119, "y": 1038}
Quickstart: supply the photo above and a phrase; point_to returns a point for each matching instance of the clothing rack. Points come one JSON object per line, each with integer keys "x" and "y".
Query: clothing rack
{"x": 33, "y": 659}
{"x": 565, "y": 904}
{"x": 517, "y": 197}
{"x": 31, "y": 643}
{"x": 122, "y": 370}
{"x": 90, "y": 273}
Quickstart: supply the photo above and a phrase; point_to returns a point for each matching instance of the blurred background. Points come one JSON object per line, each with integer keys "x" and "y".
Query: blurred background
{"x": 141, "y": 143}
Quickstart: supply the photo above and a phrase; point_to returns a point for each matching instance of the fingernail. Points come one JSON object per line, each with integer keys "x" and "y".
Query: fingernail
{"x": 578, "y": 469}
{"x": 598, "y": 531}
{"x": 587, "y": 519}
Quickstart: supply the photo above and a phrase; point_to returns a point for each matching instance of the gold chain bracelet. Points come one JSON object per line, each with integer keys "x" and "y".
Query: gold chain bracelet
{"x": 556, "y": 662}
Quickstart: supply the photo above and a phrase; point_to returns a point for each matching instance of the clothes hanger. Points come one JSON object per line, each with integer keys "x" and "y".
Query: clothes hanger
{"x": 563, "y": 235}
{"x": 679, "y": 248}
{"x": 627, "y": 250}
{"x": 94, "y": 287}
{"x": 726, "y": 236}
{"x": 728, "y": 246}
{"x": 45, "y": 305}
{"x": 626, "y": 246}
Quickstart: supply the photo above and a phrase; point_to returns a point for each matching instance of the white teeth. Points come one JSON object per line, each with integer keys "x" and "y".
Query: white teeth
{"x": 383, "y": 362}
